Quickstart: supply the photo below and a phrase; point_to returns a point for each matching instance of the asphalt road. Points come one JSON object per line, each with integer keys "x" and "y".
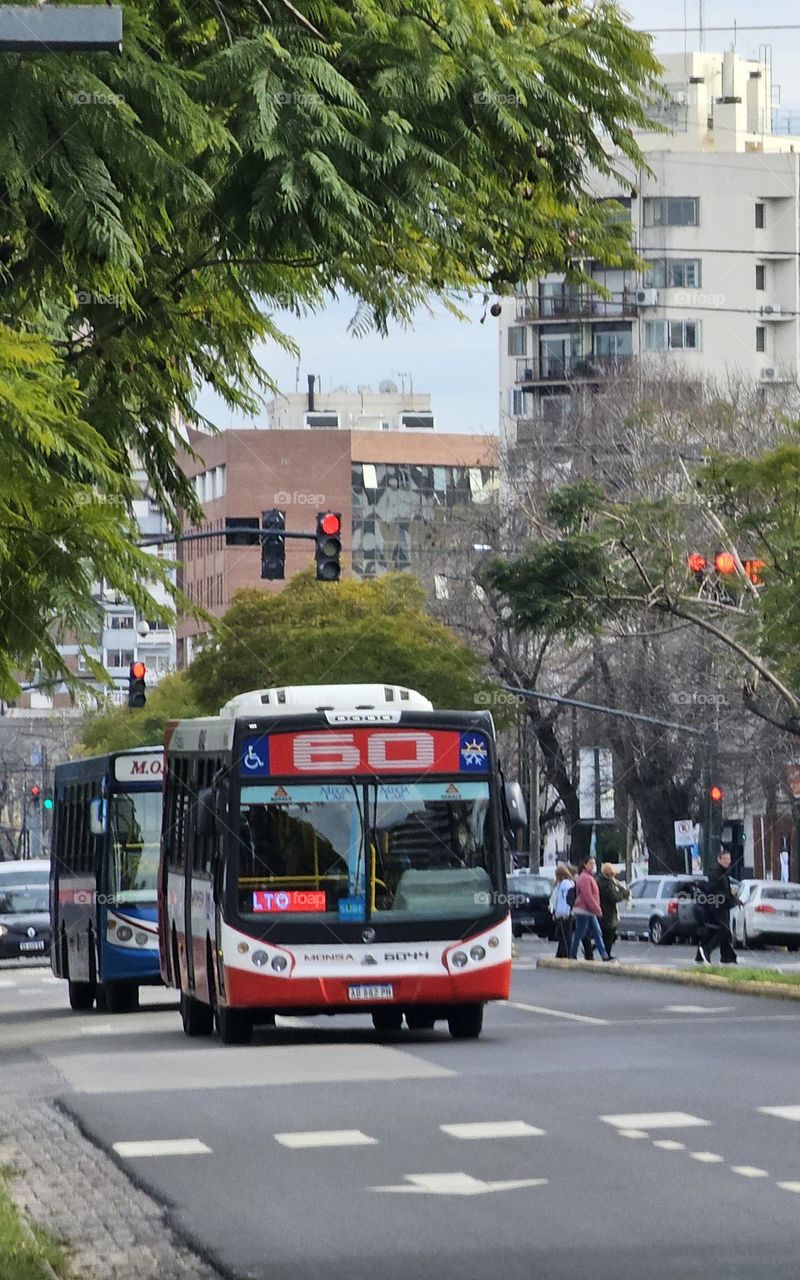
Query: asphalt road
{"x": 600, "y": 1127}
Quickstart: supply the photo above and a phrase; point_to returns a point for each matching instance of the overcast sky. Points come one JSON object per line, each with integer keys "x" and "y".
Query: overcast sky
{"x": 458, "y": 362}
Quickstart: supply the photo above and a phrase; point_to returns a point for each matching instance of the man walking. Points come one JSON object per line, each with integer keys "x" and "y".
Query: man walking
{"x": 587, "y": 911}
{"x": 720, "y": 897}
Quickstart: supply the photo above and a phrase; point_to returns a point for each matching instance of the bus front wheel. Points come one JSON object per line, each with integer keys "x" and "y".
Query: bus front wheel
{"x": 235, "y": 1026}
{"x": 197, "y": 1018}
{"x": 121, "y": 997}
{"x": 81, "y": 995}
{"x": 465, "y": 1021}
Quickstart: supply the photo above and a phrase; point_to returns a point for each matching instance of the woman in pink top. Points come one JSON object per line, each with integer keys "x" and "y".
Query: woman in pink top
{"x": 587, "y": 912}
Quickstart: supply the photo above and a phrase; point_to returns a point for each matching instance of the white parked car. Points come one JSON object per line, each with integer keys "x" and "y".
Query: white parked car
{"x": 769, "y": 915}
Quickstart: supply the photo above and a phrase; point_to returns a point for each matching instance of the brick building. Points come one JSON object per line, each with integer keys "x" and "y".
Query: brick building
{"x": 385, "y": 484}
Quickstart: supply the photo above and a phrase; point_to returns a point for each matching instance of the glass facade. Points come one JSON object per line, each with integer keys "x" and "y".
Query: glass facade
{"x": 392, "y": 502}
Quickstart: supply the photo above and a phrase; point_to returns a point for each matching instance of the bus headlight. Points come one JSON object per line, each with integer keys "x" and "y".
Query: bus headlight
{"x": 124, "y": 933}
{"x": 459, "y": 959}
{"x": 260, "y": 958}
{"x": 279, "y": 963}
{"x": 142, "y": 939}
{"x": 478, "y": 953}
{"x": 494, "y": 942}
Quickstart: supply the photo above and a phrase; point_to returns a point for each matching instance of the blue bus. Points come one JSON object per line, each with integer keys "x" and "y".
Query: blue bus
{"x": 103, "y": 877}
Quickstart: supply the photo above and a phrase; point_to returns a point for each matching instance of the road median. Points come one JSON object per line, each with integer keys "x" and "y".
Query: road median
{"x": 782, "y": 986}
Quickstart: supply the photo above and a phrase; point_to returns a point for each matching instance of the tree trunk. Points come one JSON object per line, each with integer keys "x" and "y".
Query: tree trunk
{"x": 558, "y": 776}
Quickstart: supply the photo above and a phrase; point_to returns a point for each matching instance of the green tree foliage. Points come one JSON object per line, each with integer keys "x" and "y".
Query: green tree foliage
{"x": 356, "y": 632}
{"x": 240, "y": 157}
{"x": 116, "y": 730}
{"x": 64, "y": 520}
{"x": 618, "y": 563}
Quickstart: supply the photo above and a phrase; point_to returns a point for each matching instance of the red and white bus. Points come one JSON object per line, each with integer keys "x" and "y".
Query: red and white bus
{"x": 335, "y": 849}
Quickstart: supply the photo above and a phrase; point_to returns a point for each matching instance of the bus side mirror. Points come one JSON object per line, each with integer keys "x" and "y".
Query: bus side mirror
{"x": 515, "y": 806}
{"x": 206, "y": 816}
{"x": 98, "y": 823}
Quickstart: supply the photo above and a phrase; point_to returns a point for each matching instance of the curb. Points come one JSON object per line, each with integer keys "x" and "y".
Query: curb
{"x": 660, "y": 974}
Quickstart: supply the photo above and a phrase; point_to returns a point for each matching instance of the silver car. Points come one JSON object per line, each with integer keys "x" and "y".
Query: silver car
{"x": 661, "y": 908}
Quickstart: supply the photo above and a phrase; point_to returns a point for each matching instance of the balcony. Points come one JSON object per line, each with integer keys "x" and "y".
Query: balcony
{"x": 569, "y": 369}
{"x": 576, "y": 305}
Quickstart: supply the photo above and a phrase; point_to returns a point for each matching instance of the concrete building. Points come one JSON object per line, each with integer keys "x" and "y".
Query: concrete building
{"x": 387, "y": 409}
{"x": 718, "y": 223}
{"x": 387, "y": 485}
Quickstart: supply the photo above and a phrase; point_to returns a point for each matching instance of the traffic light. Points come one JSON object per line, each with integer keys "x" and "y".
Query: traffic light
{"x": 36, "y": 793}
{"x": 137, "y": 689}
{"x": 714, "y": 819}
{"x": 329, "y": 546}
{"x": 697, "y": 565}
{"x": 725, "y": 562}
{"x": 273, "y": 544}
{"x": 47, "y": 803}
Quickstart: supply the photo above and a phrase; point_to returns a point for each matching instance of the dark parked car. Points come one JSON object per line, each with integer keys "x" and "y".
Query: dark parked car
{"x": 529, "y": 899}
{"x": 24, "y": 921}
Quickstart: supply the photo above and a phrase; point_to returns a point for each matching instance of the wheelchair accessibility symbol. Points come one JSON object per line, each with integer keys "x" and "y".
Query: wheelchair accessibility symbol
{"x": 255, "y": 756}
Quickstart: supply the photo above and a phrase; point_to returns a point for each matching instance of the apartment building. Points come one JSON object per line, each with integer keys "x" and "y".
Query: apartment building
{"x": 387, "y": 485}
{"x": 388, "y": 409}
{"x": 717, "y": 221}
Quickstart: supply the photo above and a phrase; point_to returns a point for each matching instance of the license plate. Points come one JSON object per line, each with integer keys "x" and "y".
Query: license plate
{"x": 383, "y": 992}
{"x": 31, "y": 946}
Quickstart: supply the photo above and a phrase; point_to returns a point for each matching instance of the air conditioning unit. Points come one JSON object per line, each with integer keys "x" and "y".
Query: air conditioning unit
{"x": 647, "y": 297}
{"x": 771, "y": 309}
{"x": 768, "y": 375}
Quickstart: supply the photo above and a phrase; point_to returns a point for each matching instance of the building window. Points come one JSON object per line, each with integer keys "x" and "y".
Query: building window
{"x": 518, "y": 340}
{"x": 119, "y": 621}
{"x": 522, "y": 404}
{"x": 671, "y": 211}
{"x": 761, "y": 276}
{"x": 672, "y": 335}
{"x": 761, "y": 338}
{"x": 322, "y": 420}
{"x": 674, "y": 273}
{"x": 118, "y": 657}
{"x": 369, "y": 475}
{"x": 612, "y": 341}
{"x": 760, "y": 216}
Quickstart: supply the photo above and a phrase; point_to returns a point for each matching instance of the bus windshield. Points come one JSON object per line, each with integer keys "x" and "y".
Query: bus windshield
{"x": 349, "y": 851}
{"x": 135, "y": 828}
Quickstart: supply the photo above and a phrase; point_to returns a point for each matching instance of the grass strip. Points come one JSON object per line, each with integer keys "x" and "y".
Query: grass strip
{"x": 26, "y": 1252}
{"x": 738, "y": 974}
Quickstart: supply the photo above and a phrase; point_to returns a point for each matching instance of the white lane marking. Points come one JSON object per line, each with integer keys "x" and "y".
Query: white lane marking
{"x": 99, "y": 1029}
{"x": 632, "y": 1133}
{"x": 51, "y": 981}
{"x": 749, "y": 1171}
{"x": 654, "y": 1120}
{"x": 706, "y": 1157}
{"x": 492, "y": 1129}
{"x": 456, "y": 1184}
{"x": 783, "y": 1113}
{"x": 789, "y": 1186}
{"x": 559, "y": 1013}
{"x": 326, "y": 1138}
{"x": 667, "y": 1144}
{"x": 162, "y": 1147}
{"x": 7, "y": 982}
{"x": 698, "y": 1008}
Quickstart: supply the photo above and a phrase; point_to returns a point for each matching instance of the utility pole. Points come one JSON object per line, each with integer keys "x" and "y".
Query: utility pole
{"x": 534, "y": 830}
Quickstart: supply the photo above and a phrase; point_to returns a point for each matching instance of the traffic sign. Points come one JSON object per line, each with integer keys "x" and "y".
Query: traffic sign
{"x": 684, "y": 833}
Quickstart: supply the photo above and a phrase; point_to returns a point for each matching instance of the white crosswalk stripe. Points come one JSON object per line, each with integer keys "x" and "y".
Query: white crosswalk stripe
{"x": 782, "y": 1113}
{"x": 492, "y": 1129}
{"x": 325, "y": 1138}
{"x": 161, "y": 1147}
{"x": 655, "y": 1120}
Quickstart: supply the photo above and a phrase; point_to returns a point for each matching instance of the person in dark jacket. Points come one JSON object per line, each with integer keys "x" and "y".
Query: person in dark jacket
{"x": 612, "y": 893}
{"x": 720, "y": 898}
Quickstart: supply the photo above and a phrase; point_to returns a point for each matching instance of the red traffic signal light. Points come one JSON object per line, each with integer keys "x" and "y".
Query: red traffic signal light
{"x": 35, "y": 792}
{"x": 716, "y": 794}
{"x": 724, "y": 562}
{"x": 137, "y": 689}
{"x": 330, "y": 523}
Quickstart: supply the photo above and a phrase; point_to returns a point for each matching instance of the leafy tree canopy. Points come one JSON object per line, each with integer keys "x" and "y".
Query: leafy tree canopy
{"x": 309, "y": 633}
{"x": 358, "y": 632}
